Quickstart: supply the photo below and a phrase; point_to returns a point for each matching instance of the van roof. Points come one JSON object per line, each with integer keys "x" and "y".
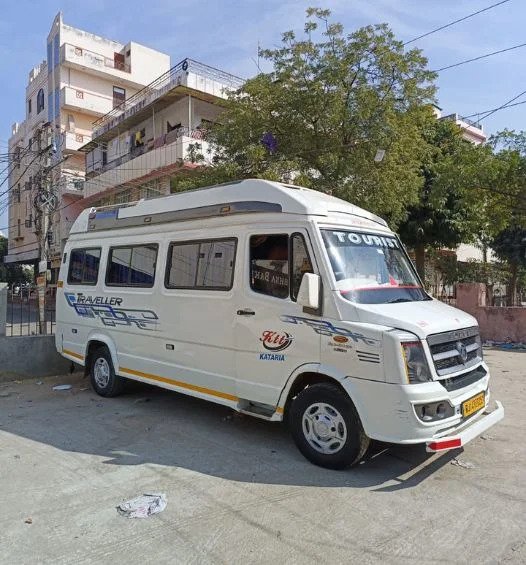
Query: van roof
{"x": 238, "y": 197}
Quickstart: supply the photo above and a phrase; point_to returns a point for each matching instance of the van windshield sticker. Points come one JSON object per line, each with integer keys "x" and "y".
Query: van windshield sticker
{"x": 109, "y": 311}
{"x": 355, "y": 238}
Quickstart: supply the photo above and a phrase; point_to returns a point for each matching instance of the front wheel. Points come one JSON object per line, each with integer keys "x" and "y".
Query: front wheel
{"x": 102, "y": 374}
{"x": 326, "y": 427}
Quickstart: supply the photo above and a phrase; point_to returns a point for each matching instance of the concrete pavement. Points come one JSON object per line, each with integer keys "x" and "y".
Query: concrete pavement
{"x": 239, "y": 491}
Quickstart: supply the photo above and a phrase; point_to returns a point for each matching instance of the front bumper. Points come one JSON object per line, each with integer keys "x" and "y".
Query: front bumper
{"x": 470, "y": 430}
{"x": 388, "y": 414}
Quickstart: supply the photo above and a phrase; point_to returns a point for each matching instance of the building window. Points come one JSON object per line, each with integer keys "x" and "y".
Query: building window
{"x": 71, "y": 123}
{"x": 50, "y": 114}
{"x": 119, "y": 96}
{"x": 49, "y": 56}
{"x": 84, "y": 266}
{"x": 132, "y": 266}
{"x": 57, "y": 103}
{"x": 40, "y": 100}
{"x": 16, "y": 157}
{"x": 56, "y": 47}
{"x": 19, "y": 228}
{"x": 118, "y": 61}
{"x": 205, "y": 265}
{"x": 29, "y": 106}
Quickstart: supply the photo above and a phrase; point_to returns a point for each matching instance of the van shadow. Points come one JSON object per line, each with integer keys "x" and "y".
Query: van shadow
{"x": 149, "y": 425}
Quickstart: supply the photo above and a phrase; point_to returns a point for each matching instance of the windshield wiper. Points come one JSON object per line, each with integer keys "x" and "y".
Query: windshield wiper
{"x": 398, "y": 300}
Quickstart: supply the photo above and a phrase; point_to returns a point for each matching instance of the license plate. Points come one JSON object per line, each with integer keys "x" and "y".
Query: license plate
{"x": 473, "y": 404}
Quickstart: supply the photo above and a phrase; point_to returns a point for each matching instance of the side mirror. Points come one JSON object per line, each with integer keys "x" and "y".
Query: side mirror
{"x": 309, "y": 292}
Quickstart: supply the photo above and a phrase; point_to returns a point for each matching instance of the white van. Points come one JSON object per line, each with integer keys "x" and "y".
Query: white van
{"x": 279, "y": 302}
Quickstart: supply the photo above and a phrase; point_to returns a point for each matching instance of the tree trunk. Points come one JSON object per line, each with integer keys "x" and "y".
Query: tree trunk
{"x": 513, "y": 284}
{"x": 420, "y": 260}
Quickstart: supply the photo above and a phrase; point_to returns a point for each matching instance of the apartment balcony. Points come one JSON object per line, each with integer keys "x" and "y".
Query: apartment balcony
{"x": 161, "y": 157}
{"x": 85, "y": 102}
{"x": 95, "y": 63}
{"x": 71, "y": 185}
{"x": 471, "y": 131}
{"x": 188, "y": 77}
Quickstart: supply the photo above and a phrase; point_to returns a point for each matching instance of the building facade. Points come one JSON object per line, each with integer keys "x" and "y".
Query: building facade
{"x": 160, "y": 132}
{"x": 83, "y": 78}
{"x": 473, "y": 133}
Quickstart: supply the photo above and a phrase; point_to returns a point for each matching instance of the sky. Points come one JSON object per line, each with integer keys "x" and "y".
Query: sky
{"x": 226, "y": 35}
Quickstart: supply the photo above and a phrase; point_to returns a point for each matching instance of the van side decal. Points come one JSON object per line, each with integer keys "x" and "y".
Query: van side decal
{"x": 108, "y": 310}
{"x": 324, "y": 327}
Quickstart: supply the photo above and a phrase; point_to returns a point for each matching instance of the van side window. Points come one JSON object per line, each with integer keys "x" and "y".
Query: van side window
{"x": 269, "y": 264}
{"x": 206, "y": 265}
{"x": 132, "y": 265}
{"x": 300, "y": 261}
{"x": 84, "y": 266}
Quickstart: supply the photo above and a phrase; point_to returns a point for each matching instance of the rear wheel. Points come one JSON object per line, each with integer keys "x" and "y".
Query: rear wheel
{"x": 102, "y": 374}
{"x": 326, "y": 427}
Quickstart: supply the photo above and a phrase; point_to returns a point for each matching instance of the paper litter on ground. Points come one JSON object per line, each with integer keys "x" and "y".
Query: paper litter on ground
{"x": 142, "y": 506}
{"x": 62, "y": 387}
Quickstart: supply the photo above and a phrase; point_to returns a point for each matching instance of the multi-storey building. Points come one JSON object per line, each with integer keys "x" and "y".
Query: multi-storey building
{"x": 473, "y": 133}
{"x": 157, "y": 133}
{"x": 84, "y": 77}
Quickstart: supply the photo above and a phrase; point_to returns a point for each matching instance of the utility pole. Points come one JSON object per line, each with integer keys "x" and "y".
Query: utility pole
{"x": 45, "y": 203}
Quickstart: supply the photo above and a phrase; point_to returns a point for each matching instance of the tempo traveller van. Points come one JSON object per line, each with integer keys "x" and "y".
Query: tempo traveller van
{"x": 280, "y": 302}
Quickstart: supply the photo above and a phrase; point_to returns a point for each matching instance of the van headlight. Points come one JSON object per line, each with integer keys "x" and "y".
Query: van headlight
{"x": 416, "y": 367}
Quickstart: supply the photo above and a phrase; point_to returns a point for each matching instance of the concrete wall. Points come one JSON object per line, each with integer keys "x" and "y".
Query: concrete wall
{"x": 496, "y": 323}
{"x": 30, "y": 356}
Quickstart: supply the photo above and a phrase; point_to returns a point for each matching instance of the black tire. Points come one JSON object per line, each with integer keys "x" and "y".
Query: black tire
{"x": 351, "y": 443}
{"x": 101, "y": 361}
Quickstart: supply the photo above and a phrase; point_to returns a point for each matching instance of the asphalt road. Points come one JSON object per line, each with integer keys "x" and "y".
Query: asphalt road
{"x": 238, "y": 490}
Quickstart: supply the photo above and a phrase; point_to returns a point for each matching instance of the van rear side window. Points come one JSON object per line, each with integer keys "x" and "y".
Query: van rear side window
{"x": 132, "y": 265}
{"x": 84, "y": 266}
{"x": 205, "y": 265}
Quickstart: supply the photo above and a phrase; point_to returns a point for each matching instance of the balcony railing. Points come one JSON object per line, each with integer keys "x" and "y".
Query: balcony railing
{"x": 456, "y": 117}
{"x": 158, "y": 87}
{"x": 88, "y": 58}
{"x": 161, "y": 141}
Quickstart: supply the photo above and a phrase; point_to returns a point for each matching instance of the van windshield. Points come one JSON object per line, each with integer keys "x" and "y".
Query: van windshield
{"x": 371, "y": 268}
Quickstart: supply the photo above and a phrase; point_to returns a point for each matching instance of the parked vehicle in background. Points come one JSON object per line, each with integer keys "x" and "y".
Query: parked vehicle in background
{"x": 279, "y": 302}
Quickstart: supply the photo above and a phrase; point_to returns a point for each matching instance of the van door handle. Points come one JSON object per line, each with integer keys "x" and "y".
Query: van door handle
{"x": 246, "y": 312}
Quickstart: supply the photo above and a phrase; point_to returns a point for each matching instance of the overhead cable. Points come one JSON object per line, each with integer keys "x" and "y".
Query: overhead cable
{"x": 466, "y": 61}
{"x": 456, "y": 21}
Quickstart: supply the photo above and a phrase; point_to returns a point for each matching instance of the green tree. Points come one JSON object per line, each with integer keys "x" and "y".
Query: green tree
{"x": 453, "y": 201}
{"x": 319, "y": 117}
{"x": 508, "y": 237}
{"x": 10, "y": 273}
{"x": 510, "y": 246}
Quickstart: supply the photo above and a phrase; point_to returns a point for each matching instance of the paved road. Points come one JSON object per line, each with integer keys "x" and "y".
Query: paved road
{"x": 239, "y": 492}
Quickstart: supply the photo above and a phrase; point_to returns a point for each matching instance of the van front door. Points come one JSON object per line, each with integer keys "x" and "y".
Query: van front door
{"x": 272, "y": 337}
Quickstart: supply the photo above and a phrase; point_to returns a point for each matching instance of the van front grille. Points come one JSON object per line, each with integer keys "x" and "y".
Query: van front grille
{"x": 455, "y": 350}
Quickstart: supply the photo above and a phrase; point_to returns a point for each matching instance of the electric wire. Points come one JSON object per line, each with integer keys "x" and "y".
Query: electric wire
{"x": 466, "y": 61}
{"x": 456, "y": 21}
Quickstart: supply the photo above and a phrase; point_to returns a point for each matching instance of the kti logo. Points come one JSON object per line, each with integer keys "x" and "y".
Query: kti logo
{"x": 276, "y": 341}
